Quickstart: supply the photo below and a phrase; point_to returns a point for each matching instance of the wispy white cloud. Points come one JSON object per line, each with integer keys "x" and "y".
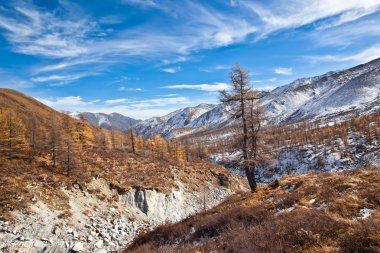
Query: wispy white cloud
{"x": 359, "y": 57}
{"x": 64, "y": 101}
{"x": 168, "y": 95}
{"x": 69, "y": 63}
{"x": 348, "y": 33}
{"x": 124, "y": 88}
{"x": 172, "y": 70}
{"x": 140, "y": 109}
{"x": 61, "y": 34}
{"x": 111, "y": 20}
{"x": 279, "y": 15}
{"x": 58, "y": 80}
{"x": 34, "y": 32}
{"x": 159, "y": 102}
{"x": 283, "y": 71}
{"x": 144, "y": 3}
{"x": 202, "y": 87}
{"x": 116, "y": 101}
{"x": 215, "y": 68}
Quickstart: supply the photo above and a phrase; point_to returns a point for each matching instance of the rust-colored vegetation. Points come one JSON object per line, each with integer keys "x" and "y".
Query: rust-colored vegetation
{"x": 307, "y": 213}
{"x": 43, "y": 151}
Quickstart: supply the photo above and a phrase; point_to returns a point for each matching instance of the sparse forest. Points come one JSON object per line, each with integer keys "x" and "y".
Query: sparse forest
{"x": 61, "y": 142}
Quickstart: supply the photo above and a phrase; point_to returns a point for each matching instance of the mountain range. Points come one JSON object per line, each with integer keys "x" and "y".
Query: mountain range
{"x": 333, "y": 96}
{"x": 113, "y": 121}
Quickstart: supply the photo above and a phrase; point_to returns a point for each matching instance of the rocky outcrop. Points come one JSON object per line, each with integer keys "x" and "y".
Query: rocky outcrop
{"x": 98, "y": 224}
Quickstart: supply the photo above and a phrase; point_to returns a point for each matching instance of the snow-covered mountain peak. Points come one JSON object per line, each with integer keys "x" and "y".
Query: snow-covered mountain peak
{"x": 332, "y": 96}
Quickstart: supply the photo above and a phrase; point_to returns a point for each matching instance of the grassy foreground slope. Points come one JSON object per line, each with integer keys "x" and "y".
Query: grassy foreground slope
{"x": 332, "y": 212}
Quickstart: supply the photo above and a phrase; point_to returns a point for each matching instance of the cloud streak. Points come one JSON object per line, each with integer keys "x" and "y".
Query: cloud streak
{"x": 359, "y": 57}
{"x": 172, "y": 70}
{"x": 280, "y": 15}
{"x": 202, "y": 87}
{"x": 283, "y": 71}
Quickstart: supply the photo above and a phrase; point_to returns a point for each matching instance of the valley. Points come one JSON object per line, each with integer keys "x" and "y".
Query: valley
{"x": 104, "y": 183}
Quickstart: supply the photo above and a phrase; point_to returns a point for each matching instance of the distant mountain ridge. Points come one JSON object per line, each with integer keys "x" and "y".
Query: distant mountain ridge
{"x": 334, "y": 96}
{"x": 170, "y": 124}
{"x": 113, "y": 121}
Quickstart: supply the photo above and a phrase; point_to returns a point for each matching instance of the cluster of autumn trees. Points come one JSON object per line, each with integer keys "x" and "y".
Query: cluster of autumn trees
{"x": 316, "y": 133}
{"x": 298, "y": 135}
{"x": 62, "y": 142}
{"x": 13, "y": 142}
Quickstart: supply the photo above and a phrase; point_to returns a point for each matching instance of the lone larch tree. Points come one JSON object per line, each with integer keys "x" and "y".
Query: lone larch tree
{"x": 241, "y": 102}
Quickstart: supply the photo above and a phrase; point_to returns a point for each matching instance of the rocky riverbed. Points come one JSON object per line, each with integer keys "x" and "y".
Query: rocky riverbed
{"x": 100, "y": 219}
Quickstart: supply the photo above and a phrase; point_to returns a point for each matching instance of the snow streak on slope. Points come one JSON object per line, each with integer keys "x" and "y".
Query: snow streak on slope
{"x": 190, "y": 117}
{"x": 113, "y": 121}
{"x": 333, "y": 96}
{"x": 345, "y": 94}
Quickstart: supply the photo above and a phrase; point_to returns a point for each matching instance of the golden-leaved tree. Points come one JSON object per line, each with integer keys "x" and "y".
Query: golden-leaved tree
{"x": 13, "y": 141}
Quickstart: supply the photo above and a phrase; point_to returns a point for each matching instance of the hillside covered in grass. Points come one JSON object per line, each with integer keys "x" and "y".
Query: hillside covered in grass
{"x": 329, "y": 212}
{"x": 99, "y": 188}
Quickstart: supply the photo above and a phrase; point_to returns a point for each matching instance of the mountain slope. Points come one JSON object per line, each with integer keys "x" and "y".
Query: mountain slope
{"x": 113, "y": 121}
{"x": 81, "y": 188}
{"x": 333, "y": 96}
{"x": 343, "y": 93}
{"x": 335, "y": 212}
{"x": 168, "y": 124}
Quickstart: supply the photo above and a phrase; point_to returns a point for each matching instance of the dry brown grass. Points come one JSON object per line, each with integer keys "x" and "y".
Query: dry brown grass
{"x": 326, "y": 218}
{"x": 21, "y": 180}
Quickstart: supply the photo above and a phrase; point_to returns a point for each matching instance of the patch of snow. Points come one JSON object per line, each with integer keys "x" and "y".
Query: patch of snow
{"x": 366, "y": 212}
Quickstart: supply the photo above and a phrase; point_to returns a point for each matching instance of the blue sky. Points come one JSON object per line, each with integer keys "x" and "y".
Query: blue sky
{"x": 147, "y": 58}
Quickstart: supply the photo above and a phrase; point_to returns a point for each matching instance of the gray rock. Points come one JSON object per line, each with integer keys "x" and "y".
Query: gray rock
{"x": 101, "y": 251}
{"x": 78, "y": 247}
{"x": 99, "y": 244}
{"x": 90, "y": 238}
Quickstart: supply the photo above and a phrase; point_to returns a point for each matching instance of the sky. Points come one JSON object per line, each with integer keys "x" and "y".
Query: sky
{"x": 148, "y": 58}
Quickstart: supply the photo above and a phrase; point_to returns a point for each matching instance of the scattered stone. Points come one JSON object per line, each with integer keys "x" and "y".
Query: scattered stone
{"x": 56, "y": 230}
{"x": 99, "y": 244}
{"x": 78, "y": 247}
{"x": 90, "y": 238}
{"x": 112, "y": 210}
{"x": 101, "y": 251}
{"x": 44, "y": 239}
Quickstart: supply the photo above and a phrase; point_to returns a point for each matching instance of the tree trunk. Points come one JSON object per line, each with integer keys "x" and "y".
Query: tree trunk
{"x": 68, "y": 159}
{"x": 133, "y": 141}
{"x": 250, "y": 173}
